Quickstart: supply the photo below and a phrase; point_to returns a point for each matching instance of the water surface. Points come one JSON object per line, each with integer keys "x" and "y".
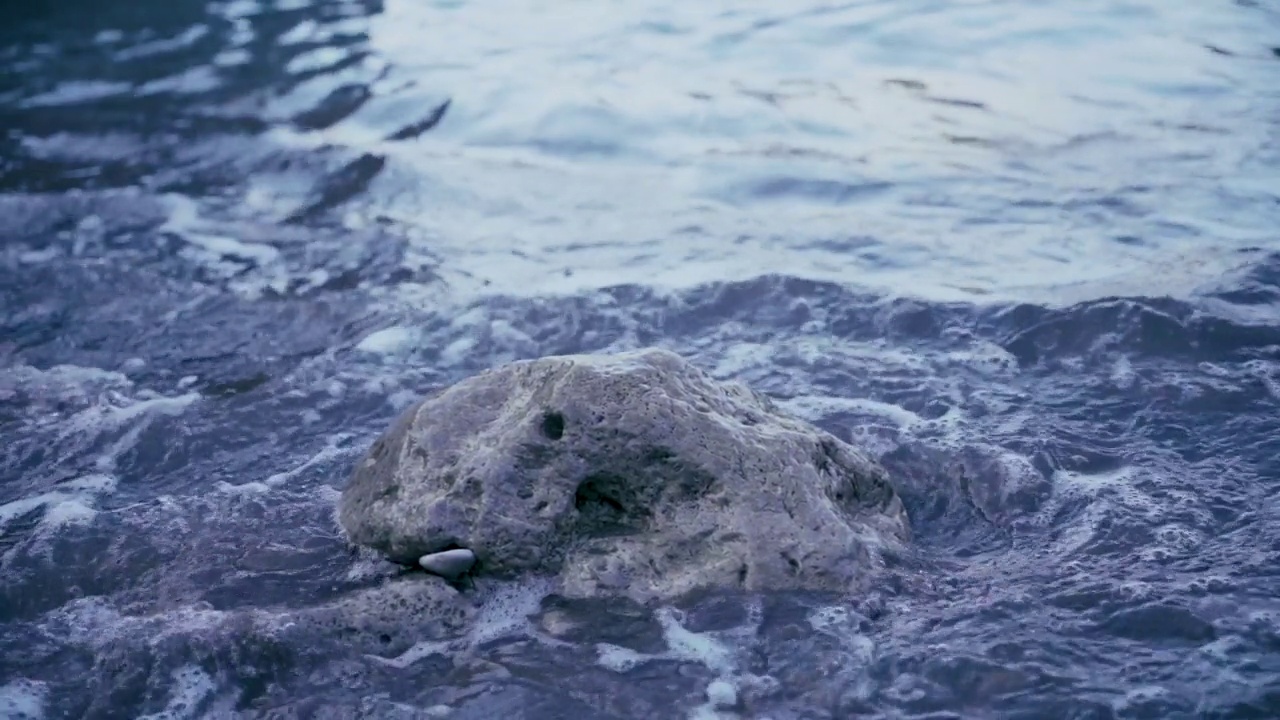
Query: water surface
{"x": 1025, "y": 254}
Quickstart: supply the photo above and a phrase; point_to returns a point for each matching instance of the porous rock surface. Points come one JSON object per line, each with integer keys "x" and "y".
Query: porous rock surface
{"x": 633, "y": 474}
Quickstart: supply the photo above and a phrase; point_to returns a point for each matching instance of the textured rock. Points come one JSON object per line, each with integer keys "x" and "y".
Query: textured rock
{"x": 633, "y": 474}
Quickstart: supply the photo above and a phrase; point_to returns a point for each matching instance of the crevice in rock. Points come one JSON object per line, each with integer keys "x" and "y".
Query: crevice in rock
{"x": 791, "y": 562}
{"x": 553, "y": 425}
{"x": 606, "y": 506}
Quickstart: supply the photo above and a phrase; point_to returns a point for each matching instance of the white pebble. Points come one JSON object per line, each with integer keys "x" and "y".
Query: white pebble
{"x": 449, "y": 563}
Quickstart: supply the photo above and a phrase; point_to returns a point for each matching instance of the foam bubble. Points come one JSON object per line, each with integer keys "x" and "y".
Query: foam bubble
{"x": 1121, "y": 373}
{"x": 817, "y": 406}
{"x": 68, "y": 512}
{"x": 702, "y": 648}
{"x": 506, "y": 608}
{"x": 388, "y": 341}
{"x": 457, "y": 351}
{"x": 706, "y": 649}
{"x": 416, "y": 652}
{"x": 722, "y": 697}
{"x": 225, "y": 256}
{"x": 23, "y": 699}
{"x": 191, "y": 687}
{"x": 72, "y": 503}
{"x": 721, "y": 693}
{"x": 741, "y": 357}
{"x": 845, "y": 625}
{"x": 1139, "y": 696}
{"x": 619, "y": 659}
{"x": 332, "y": 450}
{"x": 986, "y": 358}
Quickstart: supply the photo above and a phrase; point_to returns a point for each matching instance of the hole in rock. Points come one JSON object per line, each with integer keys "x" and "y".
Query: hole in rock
{"x": 553, "y": 425}
{"x": 605, "y": 506}
{"x": 792, "y": 562}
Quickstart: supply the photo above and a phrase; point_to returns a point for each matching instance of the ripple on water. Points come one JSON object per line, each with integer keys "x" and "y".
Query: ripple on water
{"x": 1018, "y": 253}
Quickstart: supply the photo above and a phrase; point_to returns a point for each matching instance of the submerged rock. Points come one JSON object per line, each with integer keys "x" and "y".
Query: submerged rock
{"x": 633, "y": 474}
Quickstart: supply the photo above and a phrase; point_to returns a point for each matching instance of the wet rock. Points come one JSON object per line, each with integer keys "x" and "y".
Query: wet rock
{"x": 385, "y": 620}
{"x": 1001, "y": 487}
{"x": 633, "y": 474}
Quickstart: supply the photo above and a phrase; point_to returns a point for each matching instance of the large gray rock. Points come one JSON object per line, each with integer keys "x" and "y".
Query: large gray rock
{"x": 632, "y": 474}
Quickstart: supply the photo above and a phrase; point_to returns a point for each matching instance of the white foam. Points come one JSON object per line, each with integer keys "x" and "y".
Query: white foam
{"x": 721, "y": 693}
{"x": 68, "y": 512}
{"x": 817, "y": 406}
{"x": 224, "y": 256}
{"x": 1173, "y": 539}
{"x": 71, "y": 503}
{"x": 1107, "y": 492}
{"x": 844, "y": 624}
{"x": 701, "y": 648}
{"x": 191, "y": 686}
{"x": 23, "y": 699}
{"x": 115, "y": 411}
{"x": 332, "y": 450}
{"x": 389, "y": 341}
{"x": 456, "y": 352}
{"x": 743, "y": 356}
{"x": 419, "y": 651}
{"x": 94, "y": 621}
{"x": 619, "y": 659}
{"x": 715, "y": 651}
{"x": 987, "y": 358}
{"x": 1268, "y": 373}
{"x": 506, "y": 608}
{"x": 62, "y": 384}
{"x": 38, "y": 257}
{"x": 1139, "y": 696}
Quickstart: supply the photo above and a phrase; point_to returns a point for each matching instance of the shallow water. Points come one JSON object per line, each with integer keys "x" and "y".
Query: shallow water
{"x": 1025, "y": 255}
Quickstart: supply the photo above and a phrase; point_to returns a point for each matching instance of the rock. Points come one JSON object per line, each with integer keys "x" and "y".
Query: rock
{"x": 449, "y": 563}
{"x": 997, "y": 485}
{"x": 385, "y": 620}
{"x": 633, "y": 474}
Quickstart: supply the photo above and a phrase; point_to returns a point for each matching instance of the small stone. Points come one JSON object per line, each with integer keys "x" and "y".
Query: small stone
{"x": 448, "y": 564}
{"x": 722, "y": 694}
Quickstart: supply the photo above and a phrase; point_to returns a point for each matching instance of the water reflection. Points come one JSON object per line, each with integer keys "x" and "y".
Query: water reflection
{"x": 666, "y": 143}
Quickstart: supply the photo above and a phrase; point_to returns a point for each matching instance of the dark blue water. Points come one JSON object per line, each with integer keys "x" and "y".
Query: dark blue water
{"x": 1026, "y": 256}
